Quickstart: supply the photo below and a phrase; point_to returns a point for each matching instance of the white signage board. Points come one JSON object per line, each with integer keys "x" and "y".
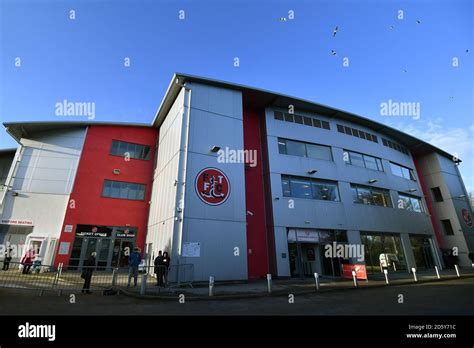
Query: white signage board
{"x": 18, "y": 222}
{"x": 68, "y": 228}
{"x": 191, "y": 249}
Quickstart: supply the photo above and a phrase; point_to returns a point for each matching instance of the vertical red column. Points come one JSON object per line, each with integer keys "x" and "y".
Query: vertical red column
{"x": 260, "y": 239}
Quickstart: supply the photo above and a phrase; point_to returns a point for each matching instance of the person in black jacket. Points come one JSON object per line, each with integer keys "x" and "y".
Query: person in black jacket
{"x": 166, "y": 262}
{"x": 89, "y": 266}
{"x": 159, "y": 269}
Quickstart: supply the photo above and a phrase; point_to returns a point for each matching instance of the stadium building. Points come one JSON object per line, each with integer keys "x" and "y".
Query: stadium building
{"x": 237, "y": 181}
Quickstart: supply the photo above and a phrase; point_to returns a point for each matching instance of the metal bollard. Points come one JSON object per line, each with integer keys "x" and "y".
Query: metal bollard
{"x": 385, "y": 272}
{"x": 211, "y": 286}
{"x": 269, "y": 283}
{"x": 316, "y": 281}
{"x": 143, "y": 285}
{"x": 414, "y": 273}
{"x": 437, "y": 272}
{"x": 457, "y": 270}
{"x": 114, "y": 277}
{"x": 354, "y": 278}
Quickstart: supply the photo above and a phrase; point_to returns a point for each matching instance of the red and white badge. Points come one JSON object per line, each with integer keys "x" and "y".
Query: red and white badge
{"x": 212, "y": 186}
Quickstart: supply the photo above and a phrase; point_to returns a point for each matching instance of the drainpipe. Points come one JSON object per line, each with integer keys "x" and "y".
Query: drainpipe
{"x": 181, "y": 180}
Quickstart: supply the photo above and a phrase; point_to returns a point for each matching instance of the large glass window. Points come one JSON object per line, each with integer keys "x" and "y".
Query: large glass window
{"x": 309, "y": 188}
{"x": 383, "y": 250}
{"x": 123, "y": 190}
{"x": 410, "y": 203}
{"x": 371, "y": 195}
{"x": 136, "y": 151}
{"x": 362, "y": 160}
{"x": 401, "y": 171}
{"x": 298, "y": 148}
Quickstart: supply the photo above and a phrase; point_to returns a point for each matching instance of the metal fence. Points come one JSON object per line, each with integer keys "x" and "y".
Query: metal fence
{"x": 50, "y": 278}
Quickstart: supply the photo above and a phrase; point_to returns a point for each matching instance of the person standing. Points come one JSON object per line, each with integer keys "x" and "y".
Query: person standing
{"x": 27, "y": 260}
{"x": 159, "y": 266}
{"x": 166, "y": 262}
{"x": 7, "y": 259}
{"x": 133, "y": 262}
{"x": 87, "y": 271}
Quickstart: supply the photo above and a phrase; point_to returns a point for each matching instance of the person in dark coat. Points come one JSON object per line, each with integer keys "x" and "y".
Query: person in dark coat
{"x": 159, "y": 269}
{"x": 166, "y": 262}
{"x": 7, "y": 259}
{"x": 89, "y": 267}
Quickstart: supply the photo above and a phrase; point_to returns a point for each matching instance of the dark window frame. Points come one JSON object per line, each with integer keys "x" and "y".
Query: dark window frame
{"x": 121, "y": 143}
{"x": 139, "y": 186}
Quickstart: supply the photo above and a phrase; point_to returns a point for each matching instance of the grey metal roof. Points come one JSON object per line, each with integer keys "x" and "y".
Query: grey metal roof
{"x": 273, "y": 99}
{"x": 20, "y": 129}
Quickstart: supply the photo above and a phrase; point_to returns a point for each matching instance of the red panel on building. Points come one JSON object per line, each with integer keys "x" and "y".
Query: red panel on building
{"x": 260, "y": 241}
{"x": 87, "y": 206}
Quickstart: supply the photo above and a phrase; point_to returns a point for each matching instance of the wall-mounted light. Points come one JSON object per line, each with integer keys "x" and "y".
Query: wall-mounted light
{"x": 277, "y": 198}
{"x": 116, "y": 171}
{"x": 411, "y": 190}
{"x": 14, "y": 193}
{"x": 215, "y": 148}
{"x": 371, "y": 181}
{"x": 312, "y": 171}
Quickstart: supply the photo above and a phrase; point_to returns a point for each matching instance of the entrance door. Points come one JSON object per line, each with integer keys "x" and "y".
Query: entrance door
{"x": 121, "y": 251}
{"x": 295, "y": 263}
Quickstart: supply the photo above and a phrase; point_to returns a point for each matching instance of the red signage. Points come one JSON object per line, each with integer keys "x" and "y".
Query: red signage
{"x": 466, "y": 216}
{"x": 212, "y": 186}
{"x": 361, "y": 272}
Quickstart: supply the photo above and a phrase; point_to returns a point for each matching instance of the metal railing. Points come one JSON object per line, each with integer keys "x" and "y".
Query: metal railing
{"x": 72, "y": 278}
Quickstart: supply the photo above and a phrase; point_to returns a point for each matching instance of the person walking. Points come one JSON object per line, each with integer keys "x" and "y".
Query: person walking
{"x": 27, "y": 260}
{"x": 133, "y": 261}
{"x": 166, "y": 262}
{"x": 159, "y": 266}
{"x": 87, "y": 270}
{"x": 7, "y": 258}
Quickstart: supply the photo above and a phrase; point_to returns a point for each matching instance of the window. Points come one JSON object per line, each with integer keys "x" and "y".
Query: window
{"x": 298, "y": 148}
{"x": 371, "y": 196}
{"x": 410, "y": 203}
{"x": 448, "y": 228}
{"x": 299, "y": 187}
{"x": 438, "y": 197}
{"x": 366, "y": 161}
{"x": 136, "y": 151}
{"x": 394, "y": 146}
{"x": 356, "y": 133}
{"x": 304, "y": 120}
{"x": 401, "y": 171}
{"x": 123, "y": 190}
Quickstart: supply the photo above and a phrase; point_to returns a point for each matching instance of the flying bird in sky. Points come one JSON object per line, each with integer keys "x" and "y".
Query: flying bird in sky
{"x": 418, "y": 21}
{"x": 333, "y": 52}
{"x": 335, "y": 31}
{"x": 282, "y": 19}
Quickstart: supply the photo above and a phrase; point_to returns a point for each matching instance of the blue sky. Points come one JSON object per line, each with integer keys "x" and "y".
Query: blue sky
{"x": 83, "y": 59}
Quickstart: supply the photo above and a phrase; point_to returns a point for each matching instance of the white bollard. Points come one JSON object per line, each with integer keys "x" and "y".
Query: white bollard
{"x": 269, "y": 283}
{"x": 457, "y": 270}
{"x": 414, "y": 274}
{"x": 437, "y": 272}
{"x": 385, "y": 271}
{"x": 354, "y": 278}
{"x": 211, "y": 286}
{"x": 143, "y": 285}
{"x": 316, "y": 281}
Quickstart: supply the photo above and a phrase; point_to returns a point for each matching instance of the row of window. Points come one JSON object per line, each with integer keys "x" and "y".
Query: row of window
{"x": 394, "y": 146}
{"x": 123, "y": 190}
{"x": 131, "y": 150}
{"x": 402, "y": 171}
{"x": 357, "y": 133}
{"x": 361, "y": 160}
{"x": 301, "y": 187}
{"x": 304, "y": 149}
{"x": 299, "y": 148}
{"x": 307, "y": 121}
